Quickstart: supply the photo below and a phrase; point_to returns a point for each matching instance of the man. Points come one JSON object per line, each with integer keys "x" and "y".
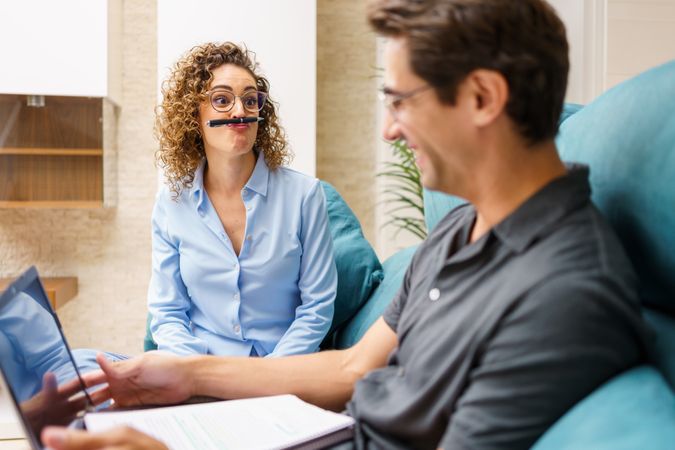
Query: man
{"x": 515, "y": 307}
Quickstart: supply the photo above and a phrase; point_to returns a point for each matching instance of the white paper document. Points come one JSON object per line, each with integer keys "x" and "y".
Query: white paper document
{"x": 259, "y": 423}
{"x": 10, "y": 427}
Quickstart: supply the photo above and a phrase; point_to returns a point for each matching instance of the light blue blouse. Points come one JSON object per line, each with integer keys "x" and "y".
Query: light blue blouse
{"x": 275, "y": 298}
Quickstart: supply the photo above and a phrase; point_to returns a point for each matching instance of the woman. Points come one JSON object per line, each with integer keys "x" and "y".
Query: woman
{"x": 242, "y": 257}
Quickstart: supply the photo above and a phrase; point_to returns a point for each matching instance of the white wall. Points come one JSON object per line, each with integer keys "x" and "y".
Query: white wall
{"x": 640, "y": 35}
{"x": 585, "y": 23}
{"x": 282, "y": 33}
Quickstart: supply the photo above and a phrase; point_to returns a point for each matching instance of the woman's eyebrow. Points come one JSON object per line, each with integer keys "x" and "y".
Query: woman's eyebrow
{"x": 229, "y": 88}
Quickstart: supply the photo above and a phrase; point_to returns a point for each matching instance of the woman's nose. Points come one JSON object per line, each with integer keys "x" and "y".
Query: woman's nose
{"x": 238, "y": 109}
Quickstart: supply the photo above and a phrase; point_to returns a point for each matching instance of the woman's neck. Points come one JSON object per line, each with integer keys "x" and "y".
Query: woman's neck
{"x": 228, "y": 175}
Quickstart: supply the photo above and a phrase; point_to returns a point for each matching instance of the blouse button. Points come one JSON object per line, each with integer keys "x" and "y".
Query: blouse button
{"x": 434, "y": 294}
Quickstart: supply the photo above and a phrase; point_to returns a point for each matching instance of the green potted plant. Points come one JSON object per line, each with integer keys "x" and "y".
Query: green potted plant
{"x": 404, "y": 192}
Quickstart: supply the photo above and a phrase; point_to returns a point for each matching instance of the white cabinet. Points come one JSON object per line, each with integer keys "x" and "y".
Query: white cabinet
{"x": 59, "y": 84}
{"x": 64, "y": 47}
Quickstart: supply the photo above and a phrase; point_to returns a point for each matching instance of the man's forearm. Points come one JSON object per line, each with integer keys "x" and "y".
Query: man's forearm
{"x": 325, "y": 379}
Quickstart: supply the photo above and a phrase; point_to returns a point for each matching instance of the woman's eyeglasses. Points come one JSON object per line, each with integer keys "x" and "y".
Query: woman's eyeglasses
{"x": 223, "y": 100}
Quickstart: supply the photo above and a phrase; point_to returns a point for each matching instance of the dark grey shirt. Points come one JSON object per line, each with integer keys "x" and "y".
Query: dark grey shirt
{"x": 498, "y": 338}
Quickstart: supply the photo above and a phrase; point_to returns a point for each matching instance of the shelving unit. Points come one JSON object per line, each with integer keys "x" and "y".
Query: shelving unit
{"x": 52, "y": 154}
{"x": 52, "y": 151}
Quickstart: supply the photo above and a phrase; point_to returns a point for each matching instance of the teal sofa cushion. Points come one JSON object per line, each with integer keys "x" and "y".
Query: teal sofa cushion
{"x": 664, "y": 343}
{"x": 635, "y": 410}
{"x": 359, "y": 269}
{"x": 394, "y": 269}
{"x": 437, "y": 205}
{"x": 148, "y": 342}
{"x": 627, "y": 137}
{"x": 568, "y": 110}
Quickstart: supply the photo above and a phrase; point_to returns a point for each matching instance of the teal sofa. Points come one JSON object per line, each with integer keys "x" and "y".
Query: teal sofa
{"x": 627, "y": 136}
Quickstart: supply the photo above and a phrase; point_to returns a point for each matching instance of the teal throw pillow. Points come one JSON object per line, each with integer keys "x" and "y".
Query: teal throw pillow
{"x": 627, "y": 137}
{"x": 394, "y": 270}
{"x": 359, "y": 270}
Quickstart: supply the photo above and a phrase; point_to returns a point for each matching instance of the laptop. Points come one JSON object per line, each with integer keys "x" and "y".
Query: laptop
{"x": 32, "y": 344}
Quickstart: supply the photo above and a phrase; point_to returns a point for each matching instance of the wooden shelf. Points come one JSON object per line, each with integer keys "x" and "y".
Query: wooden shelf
{"x": 52, "y": 155}
{"x": 60, "y": 290}
{"x": 76, "y": 204}
{"x": 52, "y": 151}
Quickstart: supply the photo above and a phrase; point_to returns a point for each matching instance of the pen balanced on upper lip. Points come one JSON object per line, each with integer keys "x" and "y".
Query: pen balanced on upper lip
{"x": 221, "y": 122}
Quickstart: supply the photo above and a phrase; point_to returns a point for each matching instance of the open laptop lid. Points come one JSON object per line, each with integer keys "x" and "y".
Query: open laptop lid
{"x": 32, "y": 344}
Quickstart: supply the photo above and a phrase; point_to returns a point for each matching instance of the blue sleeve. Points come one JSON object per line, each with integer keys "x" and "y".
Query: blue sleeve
{"x": 168, "y": 301}
{"x": 317, "y": 282}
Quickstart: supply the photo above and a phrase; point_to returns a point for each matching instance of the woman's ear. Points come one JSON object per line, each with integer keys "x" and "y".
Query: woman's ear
{"x": 490, "y": 92}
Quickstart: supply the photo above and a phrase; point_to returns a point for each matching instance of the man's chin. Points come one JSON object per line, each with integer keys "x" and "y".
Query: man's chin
{"x": 427, "y": 182}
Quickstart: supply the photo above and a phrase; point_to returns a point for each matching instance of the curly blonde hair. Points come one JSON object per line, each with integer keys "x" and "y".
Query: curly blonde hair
{"x": 181, "y": 146}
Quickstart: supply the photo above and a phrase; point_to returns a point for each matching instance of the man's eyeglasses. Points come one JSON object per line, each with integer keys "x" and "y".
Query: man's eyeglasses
{"x": 392, "y": 101}
{"x": 223, "y": 100}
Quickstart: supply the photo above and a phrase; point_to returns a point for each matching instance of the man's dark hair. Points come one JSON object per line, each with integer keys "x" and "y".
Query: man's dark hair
{"x": 524, "y": 40}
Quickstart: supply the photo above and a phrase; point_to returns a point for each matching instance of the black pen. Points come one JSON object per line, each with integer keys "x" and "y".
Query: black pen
{"x": 221, "y": 122}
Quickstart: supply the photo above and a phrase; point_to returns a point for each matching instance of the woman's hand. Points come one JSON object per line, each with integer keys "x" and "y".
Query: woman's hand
{"x": 118, "y": 438}
{"x": 153, "y": 378}
{"x": 59, "y": 405}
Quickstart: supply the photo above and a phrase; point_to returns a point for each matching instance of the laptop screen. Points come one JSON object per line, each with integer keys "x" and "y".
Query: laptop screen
{"x": 35, "y": 359}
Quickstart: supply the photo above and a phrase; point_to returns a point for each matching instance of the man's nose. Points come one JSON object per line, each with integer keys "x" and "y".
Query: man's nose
{"x": 391, "y": 129}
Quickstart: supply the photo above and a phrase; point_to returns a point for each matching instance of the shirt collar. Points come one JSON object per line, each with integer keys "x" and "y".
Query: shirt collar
{"x": 257, "y": 182}
{"x": 259, "y": 177}
{"x": 197, "y": 191}
{"x": 544, "y": 209}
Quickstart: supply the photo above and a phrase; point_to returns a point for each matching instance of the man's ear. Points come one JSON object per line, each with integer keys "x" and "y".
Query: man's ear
{"x": 490, "y": 92}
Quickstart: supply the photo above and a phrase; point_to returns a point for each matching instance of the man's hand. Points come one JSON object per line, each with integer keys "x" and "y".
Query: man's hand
{"x": 118, "y": 438}
{"x": 152, "y": 378}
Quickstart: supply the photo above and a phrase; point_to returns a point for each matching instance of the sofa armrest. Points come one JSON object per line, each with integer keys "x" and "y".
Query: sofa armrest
{"x": 635, "y": 409}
